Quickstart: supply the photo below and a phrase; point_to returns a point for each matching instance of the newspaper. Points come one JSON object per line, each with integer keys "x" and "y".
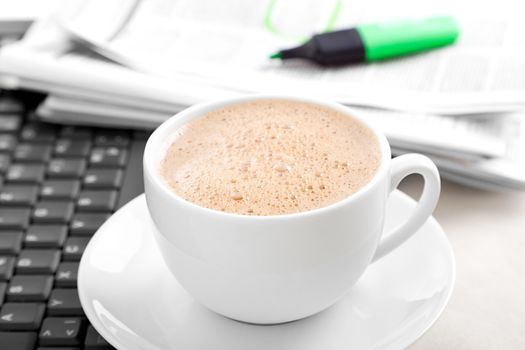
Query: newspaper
{"x": 227, "y": 43}
{"x": 88, "y": 83}
{"x": 505, "y": 172}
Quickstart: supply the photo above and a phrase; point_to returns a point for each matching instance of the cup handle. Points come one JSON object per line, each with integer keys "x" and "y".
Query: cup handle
{"x": 401, "y": 167}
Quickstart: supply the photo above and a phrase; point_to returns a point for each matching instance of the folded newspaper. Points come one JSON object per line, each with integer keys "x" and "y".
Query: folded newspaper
{"x": 143, "y": 61}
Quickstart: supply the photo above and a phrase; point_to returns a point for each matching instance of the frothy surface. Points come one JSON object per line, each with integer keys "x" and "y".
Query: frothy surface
{"x": 270, "y": 157}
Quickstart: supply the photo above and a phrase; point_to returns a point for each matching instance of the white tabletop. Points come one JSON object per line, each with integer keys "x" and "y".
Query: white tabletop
{"x": 487, "y": 233}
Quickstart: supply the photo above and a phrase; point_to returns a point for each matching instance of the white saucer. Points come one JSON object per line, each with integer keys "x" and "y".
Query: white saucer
{"x": 134, "y": 302}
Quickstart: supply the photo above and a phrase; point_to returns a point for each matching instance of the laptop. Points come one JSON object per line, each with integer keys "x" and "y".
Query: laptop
{"x": 58, "y": 184}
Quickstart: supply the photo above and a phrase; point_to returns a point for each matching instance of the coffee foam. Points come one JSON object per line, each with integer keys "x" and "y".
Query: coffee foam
{"x": 270, "y": 157}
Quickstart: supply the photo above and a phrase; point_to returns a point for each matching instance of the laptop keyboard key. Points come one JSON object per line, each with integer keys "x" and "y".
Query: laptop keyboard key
{"x": 112, "y": 138}
{"x": 60, "y": 189}
{"x": 26, "y": 173}
{"x": 77, "y": 132}
{"x": 10, "y": 123}
{"x": 9, "y": 104}
{"x": 29, "y": 288}
{"x": 86, "y": 224}
{"x": 74, "y": 248}
{"x": 103, "y": 178}
{"x": 97, "y": 200}
{"x": 19, "y": 195}
{"x": 21, "y": 316}
{"x": 66, "y": 168}
{"x": 37, "y": 261}
{"x": 61, "y": 331}
{"x": 7, "y": 142}
{"x": 14, "y": 218}
{"x": 94, "y": 341}
{"x": 45, "y": 236}
{"x": 38, "y": 132}
{"x": 5, "y": 160}
{"x": 7, "y": 265}
{"x": 64, "y": 302}
{"x": 108, "y": 157}
{"x": 32, "y": 153}
{"x": 66, "y": 275}
{"x": 10, "y": 242}
{"x": 69, "y": 147}
{"x": 53, "y": 212}
{"x": 18, "y": 340}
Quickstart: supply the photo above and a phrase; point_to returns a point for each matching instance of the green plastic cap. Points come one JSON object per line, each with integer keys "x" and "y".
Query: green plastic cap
{"x": 382, "y": 41}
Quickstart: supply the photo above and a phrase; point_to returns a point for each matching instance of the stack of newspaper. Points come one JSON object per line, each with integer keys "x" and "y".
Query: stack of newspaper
{"x": 135, "y": 63}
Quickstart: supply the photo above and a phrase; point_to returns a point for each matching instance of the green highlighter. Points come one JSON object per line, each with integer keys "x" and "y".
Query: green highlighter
{"x": 375, "y": 42}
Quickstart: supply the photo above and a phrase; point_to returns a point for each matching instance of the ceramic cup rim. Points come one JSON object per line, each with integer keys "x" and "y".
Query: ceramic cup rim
{"x": 159, "y": 140}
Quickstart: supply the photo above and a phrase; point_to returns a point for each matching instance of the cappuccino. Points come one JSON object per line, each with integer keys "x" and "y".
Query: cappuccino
{"x": 270, "y": 157}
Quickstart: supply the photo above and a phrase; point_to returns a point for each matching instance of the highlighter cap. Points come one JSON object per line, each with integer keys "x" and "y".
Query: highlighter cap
{"x": 382, "y": 41}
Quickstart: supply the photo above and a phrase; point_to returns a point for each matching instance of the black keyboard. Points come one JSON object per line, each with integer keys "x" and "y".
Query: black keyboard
{"x": 58, "y": 184}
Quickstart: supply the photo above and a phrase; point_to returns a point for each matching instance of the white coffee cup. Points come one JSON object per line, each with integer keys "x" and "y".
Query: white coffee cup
{"x": 274, "y": 269}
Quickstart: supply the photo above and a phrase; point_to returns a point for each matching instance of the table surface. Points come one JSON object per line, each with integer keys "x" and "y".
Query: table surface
{"x": 487, "y": 233}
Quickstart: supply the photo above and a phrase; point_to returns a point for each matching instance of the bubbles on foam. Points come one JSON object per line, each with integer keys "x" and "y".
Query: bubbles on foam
{"x": 236, "y": 195}
{"x": 297, "y": 166}
{"x": 282, "y": 167}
